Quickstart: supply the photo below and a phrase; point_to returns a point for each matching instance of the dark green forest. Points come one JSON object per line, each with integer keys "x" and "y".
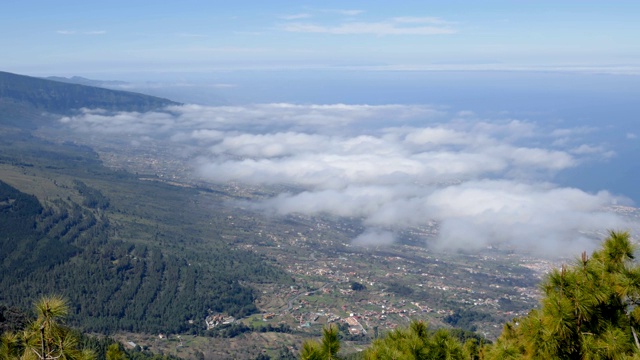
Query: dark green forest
{"x": 122, "y": 266}
{"x": 127, "y": 254}
{"x": 23, "y": 99}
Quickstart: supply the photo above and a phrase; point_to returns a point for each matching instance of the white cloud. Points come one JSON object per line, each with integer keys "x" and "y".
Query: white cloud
{"x": 374, "y": 237}
{"x": 419, "y": 20}
{"x": 535, "y": 157}
{"x": 393, "y": 166}
{"x": 227, "y": 49}
{"x": 346, "y": 12}
{"x": 632, "y": 136}
{"x": 73, "y": 32}
{"x": 191, "y": 35}
{"x": 524, "y": 216}
{"x": 370, "y": 28}
{"x": 586, "y": 149}
{"x": 393, "y": 26}
{"x": 572, "y": 132}
{"x": 296, "y": 16}
{"x": 465, "y": 113}
{"x": 537, "y": 218}
{"x": 437, "y": 137}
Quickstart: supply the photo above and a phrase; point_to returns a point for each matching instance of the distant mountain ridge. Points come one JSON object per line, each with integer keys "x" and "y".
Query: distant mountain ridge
{"x": 23, "y": 99}
{"x": 89, "y": 82}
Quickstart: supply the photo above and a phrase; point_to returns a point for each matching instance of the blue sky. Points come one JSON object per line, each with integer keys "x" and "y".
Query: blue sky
{"x": 79, "y": 37}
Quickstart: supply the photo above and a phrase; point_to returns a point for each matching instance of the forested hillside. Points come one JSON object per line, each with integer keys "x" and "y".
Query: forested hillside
{"x": 128, "y": 254}
{"x": 24, "y": 99}
{"x": 62, "y": 97}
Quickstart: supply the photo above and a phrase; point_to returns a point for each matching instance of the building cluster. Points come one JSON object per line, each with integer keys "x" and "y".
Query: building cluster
{"x": 449, "y": 285}
{"x": 355, "y": 328}
{"x": 214, "y": 320}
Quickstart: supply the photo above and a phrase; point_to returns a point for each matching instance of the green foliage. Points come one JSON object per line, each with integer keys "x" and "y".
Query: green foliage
{"x": 285, "y": 354}
{"x": 356, "y": 286}
{"x": 18, "y": 214}
{"x": 123, "y": 266}
{"x": 35, "y": 95}
{"x": 465, "y": 319}
{"x": 115, "y": 352}
{"x": 280, "y": 328}
{"x": 416, "y": 342}
{"x": 12, "y": 319}
{"x": 588, "y": 310}
{"x": 93, "y": 198}
{"x": 23, "y": 248}
{"x": 61, "y": 342}
{"x": 326, "y": 349}
{"x": 46, "y": 337}
{"x": 399, "y": 289}
{"x": 466, "y": 335}
{"x": 330, "y": 342}
{"x": 107, "y": 348}
{"x": 229, "y": 330}
{"x": 311, "y": 350}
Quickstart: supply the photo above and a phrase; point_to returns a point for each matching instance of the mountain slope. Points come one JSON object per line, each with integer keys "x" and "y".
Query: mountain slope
{"x": 114, "y": 245}
{"x": 23, "y": 99}
{"x": 62, "y": 97}
{"x": 129, "y": 254}
{"x": 89, "y": 82}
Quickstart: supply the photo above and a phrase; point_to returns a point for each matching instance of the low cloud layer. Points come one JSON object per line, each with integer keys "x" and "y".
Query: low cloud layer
{"x": 484, "y": 182}
{"x": 394, "y": 26}
{"x": 370, "y": 28}
{"x": 74, "y": 32}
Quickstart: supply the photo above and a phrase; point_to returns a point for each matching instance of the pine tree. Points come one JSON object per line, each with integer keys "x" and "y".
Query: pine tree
{"x": 416, "y": 343}
{"x": 589, "y": 310}
{"x": 115, "y": 352}
{"x": 46, "y": 338}
{"x": 326, "y": 349}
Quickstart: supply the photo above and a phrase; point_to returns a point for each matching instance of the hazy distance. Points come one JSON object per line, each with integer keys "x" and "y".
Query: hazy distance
{"x": 529, "y": 160}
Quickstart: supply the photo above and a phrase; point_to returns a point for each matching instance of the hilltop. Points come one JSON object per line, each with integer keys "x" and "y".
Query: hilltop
{"x": 89, "y": 82}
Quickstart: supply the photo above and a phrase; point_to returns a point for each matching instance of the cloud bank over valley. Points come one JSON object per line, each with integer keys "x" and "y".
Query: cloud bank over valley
{"x": 484, "y": 182}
